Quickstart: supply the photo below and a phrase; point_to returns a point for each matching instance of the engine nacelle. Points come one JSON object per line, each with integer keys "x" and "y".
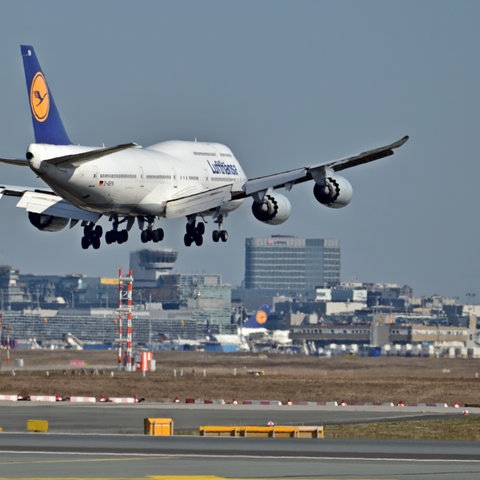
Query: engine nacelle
{"x": 333, "y": 192}
{"x": 47, "y": 223}
{"x": 274, "y": 209}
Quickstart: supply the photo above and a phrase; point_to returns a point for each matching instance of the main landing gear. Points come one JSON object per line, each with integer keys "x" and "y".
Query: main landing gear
{"x": 91, "y": 236}
{"x": 150, "y": 234}
{"x": 219, "y": 234}
{"x": 194, "y": 232}
{"x": 118, "y": 236}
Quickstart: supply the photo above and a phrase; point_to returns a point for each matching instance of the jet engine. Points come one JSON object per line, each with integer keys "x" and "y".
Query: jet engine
{"x": 47, "y": 223}
{"x": 274, "y": 209}
{"x": 333, "y": 192}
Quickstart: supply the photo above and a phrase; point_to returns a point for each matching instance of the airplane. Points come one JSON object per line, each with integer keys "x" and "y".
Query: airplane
{"x": 167, "y": 180}
{"x": 255, "y": 333}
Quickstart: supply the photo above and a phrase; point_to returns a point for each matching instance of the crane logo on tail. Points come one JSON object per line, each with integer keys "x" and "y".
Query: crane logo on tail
{"x": 39, "y": 101}
{"x": 261, "y": 317}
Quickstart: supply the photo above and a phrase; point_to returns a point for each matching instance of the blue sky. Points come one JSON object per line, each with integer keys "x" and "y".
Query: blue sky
{"x": 283, "y": 84}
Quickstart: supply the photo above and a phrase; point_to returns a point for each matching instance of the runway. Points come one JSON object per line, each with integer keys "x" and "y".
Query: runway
{"x": 131, "y": 456}
{"x": 104, "y": 455}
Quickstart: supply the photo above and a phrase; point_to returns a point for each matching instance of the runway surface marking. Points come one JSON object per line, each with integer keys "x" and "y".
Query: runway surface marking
{"x": 193, "y": 477}
{"x": 120, "y": 457}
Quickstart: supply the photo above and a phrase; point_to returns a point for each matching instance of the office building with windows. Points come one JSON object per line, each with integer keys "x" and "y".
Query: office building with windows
{"x": 290, "y": 265}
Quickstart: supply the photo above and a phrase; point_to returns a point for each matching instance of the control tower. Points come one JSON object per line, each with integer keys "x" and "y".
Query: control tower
{"x": 148, "y": 265}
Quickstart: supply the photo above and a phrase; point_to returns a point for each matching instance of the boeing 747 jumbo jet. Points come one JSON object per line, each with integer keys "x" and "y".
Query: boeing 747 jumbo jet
{"x": 165, "y": 180}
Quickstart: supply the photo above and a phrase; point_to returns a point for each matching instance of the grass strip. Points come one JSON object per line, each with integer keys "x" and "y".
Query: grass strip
{"x": 463, "y": 428}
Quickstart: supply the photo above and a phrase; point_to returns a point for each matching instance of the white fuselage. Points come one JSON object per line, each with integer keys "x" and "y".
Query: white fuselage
{"x": 139, "y": 181}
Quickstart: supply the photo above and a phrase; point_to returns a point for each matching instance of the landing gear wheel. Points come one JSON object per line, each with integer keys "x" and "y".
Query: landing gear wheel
{"x": 85, "y": 242}
{"x": 200, "y": 228}
{"x": 110, "y": 236}
{"x": 190, "y": 228}
{"x": 96, "y": 243}
{"x": 145, "y": 236}
{"x": 194, "y": 233}
{"x": 215, "y": 236}
{"x": 98, "y": 231}
{"x": 122, "y": 236}
{"x": 198, "y": 240}
{"x": 157, "y": 235}
{"x": 224, "y": 235}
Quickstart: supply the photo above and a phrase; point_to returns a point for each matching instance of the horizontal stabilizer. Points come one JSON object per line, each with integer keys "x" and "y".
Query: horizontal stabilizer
{"x": 15, "y": 161}
{"x": 54, "y": 205}
{"x": 78, "y": 158}
{"x": 198, "y": 202}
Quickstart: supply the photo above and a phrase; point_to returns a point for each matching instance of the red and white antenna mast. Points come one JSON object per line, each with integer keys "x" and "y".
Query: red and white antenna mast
{"x": 122, "y": 283}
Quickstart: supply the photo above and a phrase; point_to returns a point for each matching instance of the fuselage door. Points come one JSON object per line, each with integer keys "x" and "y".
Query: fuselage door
{"x": 174, "y": 178}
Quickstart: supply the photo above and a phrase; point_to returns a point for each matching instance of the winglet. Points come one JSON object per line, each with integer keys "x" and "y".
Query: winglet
{"x": 47, "y": 124}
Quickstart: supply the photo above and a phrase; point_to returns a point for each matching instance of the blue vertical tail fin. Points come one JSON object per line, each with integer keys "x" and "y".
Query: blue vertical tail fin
{"x": 259, "y": 318}
{"x": 47, "y": 124}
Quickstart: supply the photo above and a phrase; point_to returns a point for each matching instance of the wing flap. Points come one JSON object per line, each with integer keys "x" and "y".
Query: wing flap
{"x": 13, "y": 191}
{"x": 277, "y": 180}
{"x": 49, "y": 204}
{"x": 198, "y": 202}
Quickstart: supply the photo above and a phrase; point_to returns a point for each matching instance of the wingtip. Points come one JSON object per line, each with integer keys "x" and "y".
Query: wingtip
{"x": 401, "y": 141}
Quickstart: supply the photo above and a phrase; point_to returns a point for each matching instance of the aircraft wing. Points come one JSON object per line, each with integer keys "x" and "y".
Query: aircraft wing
{"x": 44, "y": 201}
{"x": 291, "y": 177}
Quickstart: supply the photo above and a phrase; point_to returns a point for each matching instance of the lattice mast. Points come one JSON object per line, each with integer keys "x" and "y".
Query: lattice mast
{"x": 125, "y": 354}
{"x": 120, "y": 318}
{"x": 129, "y": 321}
